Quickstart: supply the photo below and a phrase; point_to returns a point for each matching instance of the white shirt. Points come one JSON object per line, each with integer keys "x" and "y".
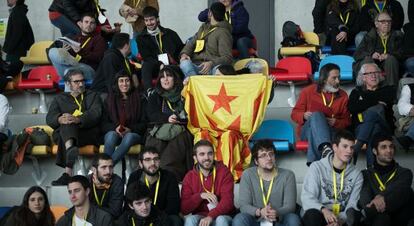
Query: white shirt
{"x": 4, "y": 114}
{"x": 81, "y": 222}
{"x": 404, "y": 103}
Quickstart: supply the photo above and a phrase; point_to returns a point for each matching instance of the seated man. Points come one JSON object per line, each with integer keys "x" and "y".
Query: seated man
{"x": 278, "y": 204}
{"x": 114, "y": 60}
{"x": 86, "y": 56}
{"x": 82, "y": 213}
{"x": 108, "y": 188}
{"x": 211, "y": 45}
{"x": 320, "y": 110}
{"x": 331, "y": 187}
{"x": 386, "y": 196}
{"x": 75, "y": 118}
{"x": 165, "y": 194}
{"x": 382, "y": 46}
{"x": 406, "y": 109}
{"x": 157, "y": 45}
{"x": 207, "y": 191}
{"x": 140, "y": 211}
{"x": 370, "y": 104}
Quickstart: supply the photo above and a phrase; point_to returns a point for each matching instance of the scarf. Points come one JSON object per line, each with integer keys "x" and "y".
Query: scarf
{"x": 124, "y": 112}
{"x": 154, "y": 32}
{"x": 174, "y": 97}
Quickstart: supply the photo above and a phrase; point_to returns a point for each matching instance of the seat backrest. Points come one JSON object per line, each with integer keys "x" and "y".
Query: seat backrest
{"x": 4, "y": 210}
{"x": 38, "y": 49}
{"x": 311, "y": 38}
{"x": 344, "y": 62}
{"x": 240, "y": 64}
{"x": 58, "y": 211}
{"x": 295, "y": 64}
{"x": 275, "y": 129}
{"x": 43, "y": 73}
{"x": 134, "y": 49}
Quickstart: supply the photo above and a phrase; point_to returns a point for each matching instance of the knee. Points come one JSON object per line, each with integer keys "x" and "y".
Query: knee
{"x": 409, "y": 64}
{"x": 242, "y": 219}
{"x": 53, "y": 54}
{"x": 291, "y": 219}
{"x": 130, "y": 138}
{"x": 317, "y": 115}
{"x": 111, "y": 137}
{"x": 223, "y": 220}
{"x": 312, "y": 215}
{"x": 185, "y": 64}
{"x": 191, "y": 220}
{"x": 243, "y": 42}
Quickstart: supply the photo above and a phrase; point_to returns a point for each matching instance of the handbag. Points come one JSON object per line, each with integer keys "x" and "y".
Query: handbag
{"x": 166, "y": 131}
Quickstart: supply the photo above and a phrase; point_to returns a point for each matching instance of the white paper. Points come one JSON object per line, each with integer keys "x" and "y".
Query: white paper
{"x": 69, "y": 41}
{"x": 164, "y": 58}
{"x": 211, "y": 206}
{"x": 101, "y": 18}
{"x": 265, "y": 223}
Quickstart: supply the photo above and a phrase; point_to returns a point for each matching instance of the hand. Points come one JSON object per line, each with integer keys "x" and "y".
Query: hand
{"x": 64, "y": 119}
{"x": 378, "y": 202}
{"x": 331, "y": 121}
{"x": 107, "y": 29}
{"x": 66, "y": 47}
{"x": 184, "y": 57}
{"x": 172, "y": 119}
{"x": 376, "y": 56}
{"x": 76, "y": 49}
{"x": 210, "y": 197}
{"x": 383, "y": 56}
{"x": 307, "y": 115}
{"x": 206, "y": 221}
{"x": 268, "y": 213}
{"x": 411, "y": 112}
{"x": 118, "y": 130}
{"x": 206, "y": 67}
{"x": 342, "y": 36}
{"x": 185, "y": 82}
{"x": 329, "y": 216}
{"x": 132, "y": 11}
{"x": 117, "y": 28}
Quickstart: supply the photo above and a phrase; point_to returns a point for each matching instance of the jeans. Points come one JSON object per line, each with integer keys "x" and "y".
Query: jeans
{"x": 409, "y": 65}
{"x": 243, "y": 45}
{"x": 189, "y": 68}
{"x": 244, "y": 219}
{"x": 359, "y": 37}
{"x": 316, "y": 131}
{"x": 66, "y": 26}
{"x": 61, "y": 66}
{"x": 111, "y": 139}
{"x": 193, "y": 220}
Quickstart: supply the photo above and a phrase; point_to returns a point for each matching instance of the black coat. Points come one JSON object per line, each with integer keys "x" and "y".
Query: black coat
{"x": 95, "y": 216}
{"x": 408, "y": 42}
{"x": 369, "y": 11}
{"x": 411, "y": 11}
{"x": 73, "y": 9}
{"x": 318, "y": 13}
{"x": 19, "y": 34}
{"x": 334, "y": 24}
{"x": 156, "y": 217}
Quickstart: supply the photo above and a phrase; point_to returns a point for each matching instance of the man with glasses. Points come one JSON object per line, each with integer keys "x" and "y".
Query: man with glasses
{"x": 268, "y": 193}
{"x": 162, "y": 184}
{"x": 75, "y": 118}
{"x": 382, "y": 46}
{"x": 370, "y": 104}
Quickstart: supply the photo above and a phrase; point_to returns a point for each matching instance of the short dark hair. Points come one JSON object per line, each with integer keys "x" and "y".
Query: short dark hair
{"x": 202, "y": 143}
{"x": 136, "y": 191}
{"x": 20, "y": 2}
{"x": 120, "y": 40}
{"x": 88, "y": 15}
{"x": 218, "y": 10}
{"x": 148, "y": 149}
{"x": 260, "y": 145}
{"x": 324, "y": 74}
{"x": 227, "y": 69}
{"x": 342, "y": 134}
{"x": 150, "y": 11}
{"x": 171, "y": 71}
{"x": 380, "y": 137}
{"x": 100, "y": 156}
{"x": 81, "y": 180}
{"x": 71, "y": 72}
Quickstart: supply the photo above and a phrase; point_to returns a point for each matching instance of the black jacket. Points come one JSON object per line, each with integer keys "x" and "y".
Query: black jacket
{"x": 73, "y": 9}
{"x": 408, "y": 42}
{"x": 95, "y": 216}
{"x": 334, "y": 24}
{"x": 411, "y": 11}
{"x": 19, "y": 34}
{"x": 156, "y": 217}
{"x": 113, "y": 199}
{"x": 149, "y": 48}
{"x": 392, "y": 7}
{"x": 318, "y": 13}
{"x": 168, "y": 199}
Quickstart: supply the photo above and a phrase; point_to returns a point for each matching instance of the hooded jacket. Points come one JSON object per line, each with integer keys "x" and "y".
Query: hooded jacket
{"x": 217, "y": 46}
{"x": 95, "y": 216}
{"x": 73, "y": 9}
{"x": 156, "y": 218}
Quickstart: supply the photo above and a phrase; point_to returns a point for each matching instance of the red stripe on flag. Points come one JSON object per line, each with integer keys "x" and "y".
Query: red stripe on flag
{"x": 193, "y": 112}
{"x": 256, "y": 106}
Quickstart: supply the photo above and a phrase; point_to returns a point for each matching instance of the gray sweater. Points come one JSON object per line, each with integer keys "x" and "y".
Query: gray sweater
{"x": 282, "y": 198}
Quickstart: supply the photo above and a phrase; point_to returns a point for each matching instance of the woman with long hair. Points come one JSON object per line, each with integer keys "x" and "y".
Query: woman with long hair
{"x": 34, "y": 210}
{"x": 123, "y": 121}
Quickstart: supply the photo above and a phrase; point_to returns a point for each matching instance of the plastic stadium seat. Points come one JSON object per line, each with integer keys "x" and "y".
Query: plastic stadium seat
{"x": 280, "y": 131}
{"x": 311, "y": 39}
{"x": 301, "y": 146}
{"x": 37, "y": 53}
{"x": 12, "y": 85}
{"x": 134, "y": 150}
{"x": 58, "y": 211}
{"x": 252, "y": 51}
{"x": 88, "y": 83}
{"x": 4, "y": 210}
{"x": 240, "y": 64}
{"x": 344, "y": 62}
{"x": 328, "y": 49}
{"x": 134, "y": 50}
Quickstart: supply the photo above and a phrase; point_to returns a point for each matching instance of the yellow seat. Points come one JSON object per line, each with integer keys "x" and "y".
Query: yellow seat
{"x": 37, "y": 53}
{"x": 310, "y": 38}
{"x": 240, "y": 64}
{"x": 58, "y": 211}
{"x": 84, "y": 150}
{"x": 134, "y": 150}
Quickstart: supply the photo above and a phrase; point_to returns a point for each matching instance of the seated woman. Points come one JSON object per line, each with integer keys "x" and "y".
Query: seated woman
{"x": 34, "y": 210}
{"x": 341, "y": 24}
{"x": 238, "y": 17}
{"x": 169, "y": 134}
{"x": 123, "y": 121}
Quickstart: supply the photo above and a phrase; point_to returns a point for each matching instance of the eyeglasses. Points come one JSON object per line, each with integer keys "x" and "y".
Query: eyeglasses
{"x": 155, "y": 159}
{"x": 269, "y": 154}
{"x": 77, "y": 82}
{"x": 372, "y": 74}
{"x": 385, "y": 21}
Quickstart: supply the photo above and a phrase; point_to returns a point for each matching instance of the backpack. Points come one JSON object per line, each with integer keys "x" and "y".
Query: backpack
{"x": 292, "y": 35}
{"x": 13, "y": 153}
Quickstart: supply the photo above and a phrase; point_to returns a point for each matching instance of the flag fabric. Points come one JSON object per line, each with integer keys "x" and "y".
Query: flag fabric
{"x": 227, "y": 110}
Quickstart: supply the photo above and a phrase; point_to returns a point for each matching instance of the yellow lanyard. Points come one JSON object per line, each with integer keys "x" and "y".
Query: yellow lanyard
{"x": 202, "y": 33}
{"x": 377, "y": 6}
{"x": 127, "y": 66}
{"x": 342, "y": 18}
{"x": 363, "y": 2}
{"x": 97, "y": 198}
{"x": 97, "y": 6}
{"x": 384, "y": 44}
{"x": 74, "y": 222}
{"x": 160, "y": 42}
{"x": 78, "y": 57}
{"x": 137, "y": 3}
{"x": 382, "y": 186}
{"x": 202, "y": 181}
{"x": 334, "y": 183}
{"x": 133, "y": 222}
{"x": 156, "y": 187}
{"x": 169, "y": 106}
{"x": 324, "y": 100}
{"x": 77, "y": 102}
{"x": 228, "y": 16}
{"x": 267, "y": 197}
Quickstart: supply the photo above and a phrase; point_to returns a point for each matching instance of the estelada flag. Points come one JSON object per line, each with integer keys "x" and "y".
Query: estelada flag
{"x": 227, "y": 110}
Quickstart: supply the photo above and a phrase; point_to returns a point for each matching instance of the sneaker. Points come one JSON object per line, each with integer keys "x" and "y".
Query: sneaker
{"x": 404, "y": 141}
{"x": 326, "y": 150}
{"x": 62, "y": 180}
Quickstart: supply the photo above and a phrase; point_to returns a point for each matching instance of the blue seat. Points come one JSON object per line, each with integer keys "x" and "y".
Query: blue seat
{"x": 344, "y": 62}
{"x": 88, "y": 83}
{"x": 328, "y": 49}
{"x": 4, "y": 210}
{"x": 280, "y": 131}
{"x": 134, "y": 50}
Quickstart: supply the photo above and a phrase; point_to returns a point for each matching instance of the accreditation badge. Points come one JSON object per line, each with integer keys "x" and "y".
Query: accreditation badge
{"x": 266, "y": 223}
{"x": 336, "y": 208}
{"x": 77, "y": 113}
{"x": 101, "y": 18}
{"x": 199, "y": 46}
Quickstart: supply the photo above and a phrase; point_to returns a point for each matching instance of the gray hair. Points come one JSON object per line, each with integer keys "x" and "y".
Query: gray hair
{"x": 361, "y": 72}
{"x": 381, "y": 13}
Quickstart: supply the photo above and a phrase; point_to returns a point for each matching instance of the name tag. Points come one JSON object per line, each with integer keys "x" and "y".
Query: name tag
{"x": 211, "y": 206}
{"x": 336, "y": 208}
{"x": 199, "y": 46}
{"x": 164, "y": 58}
{"x": 265, "y": 223}
{"x": 77, "y": 113}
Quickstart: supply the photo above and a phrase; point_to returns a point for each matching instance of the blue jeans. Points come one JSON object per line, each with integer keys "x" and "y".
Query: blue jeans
{"x": 409, "y": 65}
{"x": 410, "y": 132}
{"x": 193, "y": 220}
{"x": 66, "y": 26}
{"x": 373, "y": 123}
{"x": 316, "y": 131}
{"x": 189, "y": 68}
{"x": 359, "y": 37}
{"x": 243, "y": 45}
{"x": 112, "y": 139}
{"x": 244, "y": 219}
{"x": 61, "y": 66}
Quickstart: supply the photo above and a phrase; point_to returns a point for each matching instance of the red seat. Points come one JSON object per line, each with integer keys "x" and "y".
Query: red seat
{"x": 41, "y": 77}
{"x": 252, "y": 51}
{"x": 292, "y": 69}
{"x": 301, "y": 146}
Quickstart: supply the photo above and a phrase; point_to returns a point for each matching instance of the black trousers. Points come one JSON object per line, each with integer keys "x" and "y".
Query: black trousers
{"x": 314, "y": 217}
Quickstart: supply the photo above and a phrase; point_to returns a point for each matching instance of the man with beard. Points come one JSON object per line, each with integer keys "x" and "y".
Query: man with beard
{"x": 107, "y": 187}
{"x": 74, "y": 117}
{"x": 268, "y": 192}
{"x": 162, "y": 184}
{"x": 319, "y": 111}
{"x": 386, "y": 196}
{"x": 86, "y": 56}
{"x": 82, "y": 213}
{"x": 207, "y": 191}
